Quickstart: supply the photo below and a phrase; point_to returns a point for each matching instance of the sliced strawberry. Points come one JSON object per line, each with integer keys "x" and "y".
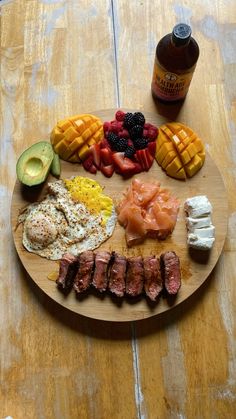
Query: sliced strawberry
{"x": 152, "y": 148}
{"x": 138, "y": 167}
{"x": 149, "y": 158}
{"x": 107, "y": 170}
{"x": 123, "y": 165}
{"x": 95, "y": 151}
{"x": 106, "y": 156}
{"x": 104, "y": 143}
{"x": 144, "y": 158}
{"x": 121, "y": 162}
{"x": 88, "y": 164}
{"x": 141, "y": 158}
{"x": 93, "y": 169}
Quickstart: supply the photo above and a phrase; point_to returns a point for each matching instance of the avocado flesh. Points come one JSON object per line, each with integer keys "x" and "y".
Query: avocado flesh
{"x": 56, "y": 166}
{"x": 34, "y": 163}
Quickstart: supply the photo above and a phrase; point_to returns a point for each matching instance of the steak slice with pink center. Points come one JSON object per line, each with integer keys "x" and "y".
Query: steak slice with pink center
{"x": 170, "y": 265}
{"x": 117, "y": 275}
{"x": 83, "y": 277}
{"x": 67, "y": 272}
{"x": 100, "y": 276}
{"x": 134, "y": 276}
{"x": 153, "y": 283}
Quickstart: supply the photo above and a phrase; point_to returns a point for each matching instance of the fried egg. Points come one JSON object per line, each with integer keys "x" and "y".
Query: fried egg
{"x": 74, "y": 216}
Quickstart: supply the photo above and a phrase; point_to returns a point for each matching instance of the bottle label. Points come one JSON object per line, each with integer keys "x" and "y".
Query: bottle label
{"x": 170, "y": 86}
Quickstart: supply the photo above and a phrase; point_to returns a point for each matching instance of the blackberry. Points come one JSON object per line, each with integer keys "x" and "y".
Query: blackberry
{"x": 128, "y": 120}
{"x": 139, "y": 118}
{"x": 136, "y": 131}
{"x": 130, "y": 151}
{"x": 112, "y": 138}
{"x": 120, "y": 145}
{"x": 140, "y": 143}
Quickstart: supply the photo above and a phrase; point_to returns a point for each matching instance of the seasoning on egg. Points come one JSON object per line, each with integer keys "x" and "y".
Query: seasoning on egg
{"x": 59, "y": 224}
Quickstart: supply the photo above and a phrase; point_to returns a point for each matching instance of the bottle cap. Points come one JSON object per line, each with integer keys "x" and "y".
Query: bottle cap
{"x": 181, "y": 34}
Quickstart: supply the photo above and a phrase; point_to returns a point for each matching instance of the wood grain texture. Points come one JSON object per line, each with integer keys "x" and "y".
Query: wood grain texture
{"x": 195, "y": 267}
{"x": 60, "y": 57}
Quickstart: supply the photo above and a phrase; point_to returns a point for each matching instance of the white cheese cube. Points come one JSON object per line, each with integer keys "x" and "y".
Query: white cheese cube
{"x": 207, "y": 232}
{"x": 200, "y": 243}
{"x": 198, "y": 206}
{"x": 193, "y": 223}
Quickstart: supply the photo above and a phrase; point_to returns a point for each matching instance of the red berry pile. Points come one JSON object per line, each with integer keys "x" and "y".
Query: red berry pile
{"x": 128, "y": 147}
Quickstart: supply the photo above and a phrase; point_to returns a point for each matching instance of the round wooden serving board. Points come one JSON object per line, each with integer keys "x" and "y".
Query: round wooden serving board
{"x": 195, "y": 265}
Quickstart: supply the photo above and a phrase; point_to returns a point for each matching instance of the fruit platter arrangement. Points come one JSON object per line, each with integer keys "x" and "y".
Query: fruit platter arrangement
{"x": 120, "y": 214}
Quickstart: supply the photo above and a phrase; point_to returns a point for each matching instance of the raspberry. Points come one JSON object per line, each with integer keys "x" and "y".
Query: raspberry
{"x": 106, "y": 126}
{"x": 136, "y": 131}
{"x": 130, "y": 151}
{"x": 116, "y": 126}
{"x": 140, "y": 143}
{"x": 129, "y": 120}
{"x": 139, "y": 118}
{"x": 152, "y": 133}
{"x": 120, "y": 115}
{"x": 120, "y": 145}
{"x": 123, "y": 133}
{"x": 145, "y": 133}
{"x": 147, "y": 125}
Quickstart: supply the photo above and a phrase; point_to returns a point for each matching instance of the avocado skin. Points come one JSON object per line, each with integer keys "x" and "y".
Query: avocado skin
{"x": 34, "y": 163}
{"x": 55, "y": 168}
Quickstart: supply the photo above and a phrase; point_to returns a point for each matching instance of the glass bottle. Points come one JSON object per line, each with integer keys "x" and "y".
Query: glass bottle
{"x": 175, "y": 61}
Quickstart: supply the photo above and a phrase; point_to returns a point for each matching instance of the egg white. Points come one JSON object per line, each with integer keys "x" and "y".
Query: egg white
{"x": 58, "y": 225}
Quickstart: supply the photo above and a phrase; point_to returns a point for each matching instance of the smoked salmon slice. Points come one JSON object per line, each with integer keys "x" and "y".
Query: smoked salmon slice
{"x": 147, "y": 210}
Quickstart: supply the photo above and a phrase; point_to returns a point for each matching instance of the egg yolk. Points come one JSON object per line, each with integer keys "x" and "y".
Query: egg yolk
{"x": 40, "y": 230}
{"x": 90, "y": 193}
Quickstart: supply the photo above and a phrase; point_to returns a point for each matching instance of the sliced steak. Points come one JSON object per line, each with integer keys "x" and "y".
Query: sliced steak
{"x": 67, "y": 272}
{"x": 100, "y": 277}
{"x": 170, "y": 266}
{"x": 134, "y": 276}
{"x": 153, "y": 283}
{"x": 83, "y": 277}
{"x": 117, "y": 275}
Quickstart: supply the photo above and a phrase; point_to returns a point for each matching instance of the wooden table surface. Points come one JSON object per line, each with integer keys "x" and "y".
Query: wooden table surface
{"x": 61, "y": 57}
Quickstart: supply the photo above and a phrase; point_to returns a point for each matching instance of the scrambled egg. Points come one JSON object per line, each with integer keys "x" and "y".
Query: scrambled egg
{"x": 73, "y": 217}
{"x": 90, "y": 193}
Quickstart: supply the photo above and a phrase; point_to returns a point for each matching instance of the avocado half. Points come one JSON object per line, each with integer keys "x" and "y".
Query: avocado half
{"x": 34, "y": 164}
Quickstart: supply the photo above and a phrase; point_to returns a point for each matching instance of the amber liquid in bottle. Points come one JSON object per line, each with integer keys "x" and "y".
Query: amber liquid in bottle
{"x": 175, "y": 61}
